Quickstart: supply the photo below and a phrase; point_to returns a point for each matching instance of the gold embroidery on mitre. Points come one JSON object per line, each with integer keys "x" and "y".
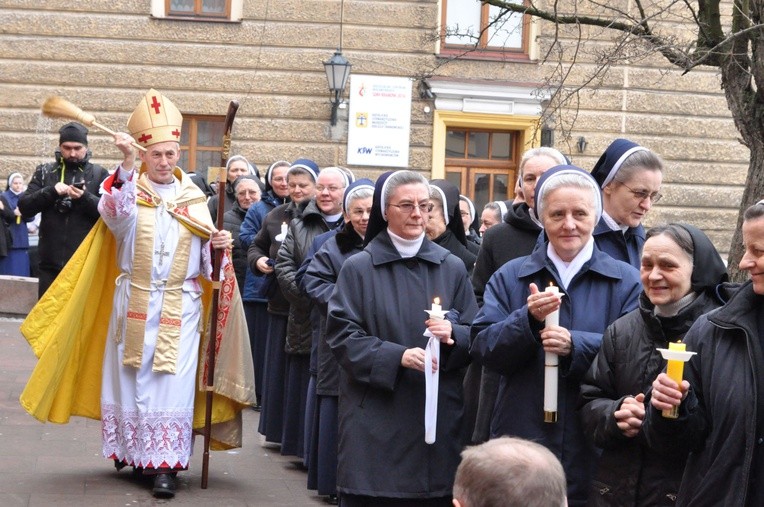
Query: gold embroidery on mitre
{"x": 155, "y": 120}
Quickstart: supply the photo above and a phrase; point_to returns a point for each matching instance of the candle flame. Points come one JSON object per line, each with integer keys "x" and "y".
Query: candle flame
{"x": 551, "y": 284}
{"x": 436, "y": 301}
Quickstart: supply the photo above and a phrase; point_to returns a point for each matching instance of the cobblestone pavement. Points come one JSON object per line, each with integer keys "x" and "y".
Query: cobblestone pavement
{"x": 61, "y": 465}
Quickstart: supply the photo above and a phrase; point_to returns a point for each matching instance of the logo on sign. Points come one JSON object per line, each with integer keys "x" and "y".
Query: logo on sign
{"x": 363, "y": 150}
{"x": 361, "y": 120}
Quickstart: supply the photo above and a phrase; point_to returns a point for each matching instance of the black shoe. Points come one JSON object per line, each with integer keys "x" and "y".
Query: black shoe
{"x": 164, "y": 486}
{"x": 119, "y": 465}
{"x": 331, "y": 500}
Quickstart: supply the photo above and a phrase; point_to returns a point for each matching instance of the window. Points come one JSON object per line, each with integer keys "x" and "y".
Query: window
{"x": 482, "y": 163}
{"x": 201, "y": 143}
{"x": 467, "y": 25}
{"x": 199, "y": 8}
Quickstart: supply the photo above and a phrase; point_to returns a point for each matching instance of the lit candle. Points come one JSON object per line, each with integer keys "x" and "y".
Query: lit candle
{"x": 675, "y": 370}
{"x": 551, "y": 363}
{"x": 436, "y": 305}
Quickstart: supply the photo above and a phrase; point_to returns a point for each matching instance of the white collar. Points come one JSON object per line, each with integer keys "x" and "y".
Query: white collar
{"x": 406, "y": 247}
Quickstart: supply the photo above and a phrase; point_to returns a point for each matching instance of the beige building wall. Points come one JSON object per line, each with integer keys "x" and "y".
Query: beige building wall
{"x": 103, "y": 55}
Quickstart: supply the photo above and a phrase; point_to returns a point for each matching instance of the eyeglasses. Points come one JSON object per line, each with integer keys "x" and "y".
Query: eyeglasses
{"x": 408, "y": 207}
{"x": 332, "y": 189}
{"x": 641, "y": 195}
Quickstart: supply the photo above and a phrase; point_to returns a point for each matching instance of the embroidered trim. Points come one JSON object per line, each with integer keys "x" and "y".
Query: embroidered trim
{"x": 147, "y": 440}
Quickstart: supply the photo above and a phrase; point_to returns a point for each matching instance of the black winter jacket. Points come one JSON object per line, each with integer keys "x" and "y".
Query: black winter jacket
{"x": 232, "y": 223}
{"x": 513, "y": 238}
{"x": 288, "y": 261}
{"x": 717, "y": 420}
{"x": 629, "y": 472}
{"x": 62, "y": 233}
{"x": 448, "y": 241}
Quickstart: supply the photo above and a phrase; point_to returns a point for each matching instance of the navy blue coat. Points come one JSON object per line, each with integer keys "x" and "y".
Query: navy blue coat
{"x": 254, "y": 285}
{"x": 507, "y": 341}
{"x": 623, "y": 246}
{"x": 375, "y": 313}
{"x": 319, "y": 282}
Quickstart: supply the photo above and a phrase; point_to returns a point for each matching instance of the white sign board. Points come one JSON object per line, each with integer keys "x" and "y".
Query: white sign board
{"x": 379, "y": 121}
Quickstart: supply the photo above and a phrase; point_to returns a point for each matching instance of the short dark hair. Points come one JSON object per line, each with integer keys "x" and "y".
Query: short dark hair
{"x": 677, "y": 233}
{"x": 754, "y": 212}
{"x": 510, "y": 472}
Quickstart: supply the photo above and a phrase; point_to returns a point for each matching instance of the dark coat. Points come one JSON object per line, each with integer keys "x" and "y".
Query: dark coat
{"x": 255, "y": 284}
{"x": 266, "y": 245}
{"x": 515, "y": 237}
{"x": 448, "y": 241}
{"x": 232, "y": 220}
{"x": 62, "y": 233}
{"x": 230, "y": 201}
{"x": 629, "y": 472}
{"x": 718, "y": 417}
{"x": 18, "y": 231}
{"x": 291, "y": 253}
{"x": 6, "y": 241}
{"x": 319, "y": 282}
{"x": 506, "y": 340}
{"x": 375, "y": 313}
{"x": 623, "y": 246}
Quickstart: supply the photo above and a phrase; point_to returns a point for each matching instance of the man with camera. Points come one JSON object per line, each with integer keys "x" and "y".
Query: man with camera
{"x": 66, "y": 192}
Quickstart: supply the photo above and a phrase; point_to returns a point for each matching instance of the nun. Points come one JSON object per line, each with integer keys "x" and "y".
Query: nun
{"x": 469, "y": 219}
{"x": 630, "y": 177}
{"x": 512, "y": 337}
{"x": 444, "y": 224}
{"x": 14, "y": 229}
{"x": 378, "y": 330}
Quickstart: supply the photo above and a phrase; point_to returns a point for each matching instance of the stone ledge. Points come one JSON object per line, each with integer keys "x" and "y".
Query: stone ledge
{"x": 23, "y": 292}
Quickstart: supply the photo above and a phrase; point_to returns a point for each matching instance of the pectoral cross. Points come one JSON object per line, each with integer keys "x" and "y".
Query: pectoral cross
{"x": 161, "y": 253}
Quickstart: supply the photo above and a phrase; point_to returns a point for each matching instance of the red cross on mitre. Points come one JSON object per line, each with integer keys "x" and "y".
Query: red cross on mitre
{"x": 155, "y": 104}
{"x": 176, "y": 133}
{"x": 144, "y": 138}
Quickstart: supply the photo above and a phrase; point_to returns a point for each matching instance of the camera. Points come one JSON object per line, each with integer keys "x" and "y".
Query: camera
{"x": 64, "y": 205}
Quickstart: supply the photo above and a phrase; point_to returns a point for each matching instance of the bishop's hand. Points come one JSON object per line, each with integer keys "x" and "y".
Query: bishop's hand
{"x": 221, "y": 240}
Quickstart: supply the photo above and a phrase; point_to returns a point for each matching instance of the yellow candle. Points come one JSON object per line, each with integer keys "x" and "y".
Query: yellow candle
{"x": 675, "y": 370}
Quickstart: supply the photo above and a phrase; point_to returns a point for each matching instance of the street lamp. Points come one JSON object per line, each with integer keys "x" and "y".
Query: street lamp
{"x": 337, "y": 72}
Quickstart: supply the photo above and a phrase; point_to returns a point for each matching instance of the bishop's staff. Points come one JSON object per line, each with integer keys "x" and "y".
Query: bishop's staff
{"x": 233, "y": 106}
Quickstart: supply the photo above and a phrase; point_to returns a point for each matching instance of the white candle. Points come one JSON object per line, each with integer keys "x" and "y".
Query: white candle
{"x": 436, "y": 305}
{"x": 551, "y": 362}
{"x": 283, "y": 228}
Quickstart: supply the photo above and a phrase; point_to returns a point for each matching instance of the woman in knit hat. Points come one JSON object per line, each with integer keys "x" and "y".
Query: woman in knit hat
{"x": 630, "y": 177}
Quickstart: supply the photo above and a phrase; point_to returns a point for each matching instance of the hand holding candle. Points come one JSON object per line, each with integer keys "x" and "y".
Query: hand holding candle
{"x": 437, "y": 324}
{"x": 676, "y": 355}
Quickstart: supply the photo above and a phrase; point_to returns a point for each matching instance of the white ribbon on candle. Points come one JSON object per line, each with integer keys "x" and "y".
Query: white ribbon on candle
{"x": 431, "y": 379}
